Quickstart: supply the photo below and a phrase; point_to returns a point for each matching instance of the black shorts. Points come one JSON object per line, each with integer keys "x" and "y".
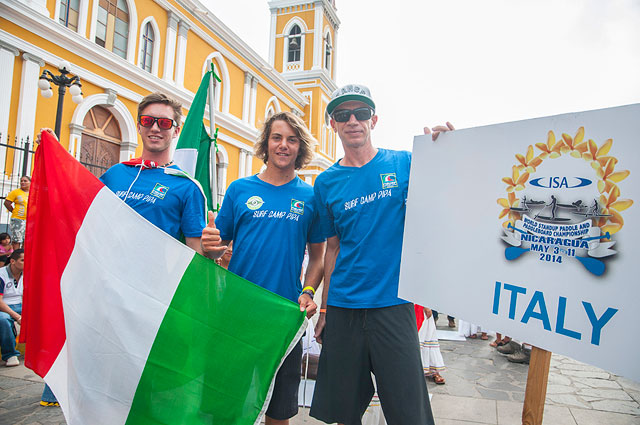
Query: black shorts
{"x": 357, "y": 342}
{"x": 284, "y": 399}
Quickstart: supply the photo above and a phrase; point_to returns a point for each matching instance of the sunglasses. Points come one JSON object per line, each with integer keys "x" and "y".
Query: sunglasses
{"x": 163, "y": 123}
{"x": 344, "y": 115}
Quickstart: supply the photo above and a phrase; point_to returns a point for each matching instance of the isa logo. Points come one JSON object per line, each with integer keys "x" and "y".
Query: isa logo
{"x": 297, "y": 206}
{"x": 159, "y": 191}
{"x": 389, "y": 180}
{"x": 564, "y": 202}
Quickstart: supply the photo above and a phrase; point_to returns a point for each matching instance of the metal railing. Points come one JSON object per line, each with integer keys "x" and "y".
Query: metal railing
{"x": 15, "y": 161}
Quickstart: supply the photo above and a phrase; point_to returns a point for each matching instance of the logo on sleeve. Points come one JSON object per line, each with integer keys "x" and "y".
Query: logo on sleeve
{"x": 297, "y": 206}
{"x": 389, "y": 180}
{"x": 254, "y": 202}
{"x": 159, "y": 191}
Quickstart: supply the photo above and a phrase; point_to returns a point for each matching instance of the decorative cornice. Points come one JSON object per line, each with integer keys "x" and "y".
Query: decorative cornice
{"x": 321, "y": 74}
{"x": 112, "y": 95}
{"x": 173, "y": 20}
{"x": 8, "y": 47}
{"x": 76, "y": 129}
{"x": 33, "y": 58}
{"x": 183, "y": 29}
{"x": 326, "y": 4}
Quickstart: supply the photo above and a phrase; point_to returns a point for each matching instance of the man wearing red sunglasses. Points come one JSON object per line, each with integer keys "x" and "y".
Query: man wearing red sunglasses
{"x": 155, "y": 187}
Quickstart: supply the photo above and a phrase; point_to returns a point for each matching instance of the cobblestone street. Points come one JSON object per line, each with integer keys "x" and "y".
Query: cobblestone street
{"x": 482, "y": 387}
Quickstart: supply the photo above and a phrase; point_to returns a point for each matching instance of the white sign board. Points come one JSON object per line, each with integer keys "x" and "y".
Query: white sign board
{"x": 530, "y": 229}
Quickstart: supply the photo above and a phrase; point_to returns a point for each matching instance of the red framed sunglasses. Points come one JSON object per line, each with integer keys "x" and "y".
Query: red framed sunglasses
{"x": 163, "y": 123}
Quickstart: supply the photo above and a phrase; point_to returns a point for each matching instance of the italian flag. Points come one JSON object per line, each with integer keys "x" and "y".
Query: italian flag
{"x": 129, "y": 326}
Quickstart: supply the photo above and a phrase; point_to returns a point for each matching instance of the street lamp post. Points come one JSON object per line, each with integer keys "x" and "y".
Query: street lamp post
{"x": 62, "y": 81}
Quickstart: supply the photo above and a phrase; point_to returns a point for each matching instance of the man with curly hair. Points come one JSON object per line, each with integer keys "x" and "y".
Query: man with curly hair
{"x": 271, "y": 217}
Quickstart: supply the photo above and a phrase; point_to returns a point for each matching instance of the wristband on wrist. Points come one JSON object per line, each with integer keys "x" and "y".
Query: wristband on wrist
{"x": 308, "y": 292}
{"x": 309, "y": 288}
{"x": 323, "y": 310}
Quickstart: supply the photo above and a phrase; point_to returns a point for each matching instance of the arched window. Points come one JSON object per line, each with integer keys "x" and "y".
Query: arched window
{"x": 294, "y": 44}
{"x": 327, "y": 52}
{"x": 273, "y": 107}
{"x": 146, "y": 53}
{"x": 223, "y": 89}
{"x": 112, "y": 30}
{"x": 270, "y": 112}
{"x": 69, "y": 13}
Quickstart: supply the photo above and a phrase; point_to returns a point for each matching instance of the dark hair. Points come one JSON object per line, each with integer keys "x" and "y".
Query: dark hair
{"x": 25, "y": 177}
{"x": 4, "y": 236}
{"x": 165, "y": 100}
{"x": 16, "y": 254}
{"x": 307, "y": 142}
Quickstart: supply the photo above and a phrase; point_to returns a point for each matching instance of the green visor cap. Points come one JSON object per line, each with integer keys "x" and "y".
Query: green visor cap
{"x": 350, "y": 92}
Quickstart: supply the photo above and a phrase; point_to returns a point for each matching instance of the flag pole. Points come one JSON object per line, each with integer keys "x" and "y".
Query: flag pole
{"x": 213, "y": 133}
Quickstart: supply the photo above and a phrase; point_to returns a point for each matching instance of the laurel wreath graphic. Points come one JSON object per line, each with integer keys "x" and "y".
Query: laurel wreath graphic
{"x": 610, "y": 201}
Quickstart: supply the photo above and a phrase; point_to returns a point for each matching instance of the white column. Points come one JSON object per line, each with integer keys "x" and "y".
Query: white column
{"x": 75, "y": 131}
{"x": 83, "y": 14}
{"x": 241, "y": 163}
{"x": 170, "y": 47}
{"x": 26, "y": 119}
{"x": 181, "y": 58}
{"x": 246, "y": 96}
{"x": 253, "y": 101}
{"x": 334, "y": 56}
{"x": 272, "y": 37}
{"x": 248, "y": 164}
{"x": 7, "y": 61}
{"x": 317, "y": 35}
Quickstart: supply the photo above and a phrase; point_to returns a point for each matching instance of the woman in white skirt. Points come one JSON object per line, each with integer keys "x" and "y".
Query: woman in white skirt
{"x": 432, "y": 362}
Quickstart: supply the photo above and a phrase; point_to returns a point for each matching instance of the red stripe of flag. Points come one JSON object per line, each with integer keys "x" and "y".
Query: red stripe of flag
{"x": 54, "y": 217}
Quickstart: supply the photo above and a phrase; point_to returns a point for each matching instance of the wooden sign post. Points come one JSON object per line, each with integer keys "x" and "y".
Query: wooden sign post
{"x": 536, "y": 390}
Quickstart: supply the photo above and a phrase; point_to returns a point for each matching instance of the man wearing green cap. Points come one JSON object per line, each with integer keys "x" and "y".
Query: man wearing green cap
{"x": 364, "y": 327}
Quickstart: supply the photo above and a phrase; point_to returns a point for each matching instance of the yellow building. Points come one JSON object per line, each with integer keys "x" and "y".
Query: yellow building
{"x": 123, "y": 50}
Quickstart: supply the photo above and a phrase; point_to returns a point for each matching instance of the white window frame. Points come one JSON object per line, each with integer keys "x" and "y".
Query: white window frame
{"x": 156, "y": 44}
{"x": 133, "y": 29}
{"x": 298, "y": 65}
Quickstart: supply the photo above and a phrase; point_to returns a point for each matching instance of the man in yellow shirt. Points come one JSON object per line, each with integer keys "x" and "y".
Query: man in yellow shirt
{"x": 16, "y": 202}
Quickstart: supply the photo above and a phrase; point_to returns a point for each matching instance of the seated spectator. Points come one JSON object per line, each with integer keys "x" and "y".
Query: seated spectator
{"x": 11, "y": 306}
{"x": 6, "y": 248}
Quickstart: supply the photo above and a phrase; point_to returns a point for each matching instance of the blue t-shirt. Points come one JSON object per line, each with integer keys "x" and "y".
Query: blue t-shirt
{"x": 365, "y": 207}
{"x": 172, "y": 203}
{"x": 270, "y": 227}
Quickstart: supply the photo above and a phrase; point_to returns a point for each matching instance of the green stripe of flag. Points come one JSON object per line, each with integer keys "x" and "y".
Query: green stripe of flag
{"x": 217, "y": 351}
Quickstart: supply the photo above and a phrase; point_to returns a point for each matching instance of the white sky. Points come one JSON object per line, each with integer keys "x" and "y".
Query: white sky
{"x": 473, "y": 62}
